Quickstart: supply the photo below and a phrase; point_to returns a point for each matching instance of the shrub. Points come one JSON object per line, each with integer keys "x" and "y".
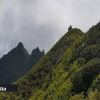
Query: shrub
{"x": 77, "y": 97}
{"x": 92, "y": 51}
{"x": 96, "y": 83}
{"x": 94, "y": 95}
{"x": 84, "y": 77}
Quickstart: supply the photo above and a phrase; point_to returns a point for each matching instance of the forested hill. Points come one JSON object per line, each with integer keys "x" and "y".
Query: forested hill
{"x": 69, "y": 71}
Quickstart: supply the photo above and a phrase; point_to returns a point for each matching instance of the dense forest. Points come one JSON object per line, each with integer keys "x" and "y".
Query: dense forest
{"x": 69, "y": 71}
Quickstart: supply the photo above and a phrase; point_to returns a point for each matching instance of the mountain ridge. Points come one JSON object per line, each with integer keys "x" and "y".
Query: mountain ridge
{"x": 69, "y": 71}
{"x": 12, "y": 65}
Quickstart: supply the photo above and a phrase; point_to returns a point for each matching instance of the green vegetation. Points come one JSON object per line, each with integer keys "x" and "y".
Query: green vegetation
{"x": 85, "y": 76}
{"x": 96, "y": 84}
{"x": 69, "y": 71}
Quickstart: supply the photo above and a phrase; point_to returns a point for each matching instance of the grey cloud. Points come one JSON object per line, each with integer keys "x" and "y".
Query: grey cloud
{"x": 42, "y": 22}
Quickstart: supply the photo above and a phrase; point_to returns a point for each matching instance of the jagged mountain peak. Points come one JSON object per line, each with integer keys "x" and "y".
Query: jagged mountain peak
{"x": 17, "y": 62}
{"x": 20, "y": 45}
{"x": 36, "y": 50}
{"x": 70, "y": 28}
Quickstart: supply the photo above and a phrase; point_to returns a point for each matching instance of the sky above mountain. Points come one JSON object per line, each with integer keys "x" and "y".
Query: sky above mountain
{"x": 42, "y": 22}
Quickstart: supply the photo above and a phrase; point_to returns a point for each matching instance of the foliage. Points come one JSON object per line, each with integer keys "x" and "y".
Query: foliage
{"x": 94, "y": 95}
{"x": 69, "y": 71}
{"x": 92, "y": 51}
{"x": 96, "y": 84}
{"x": 85, "y": 76}
{"x": 77, "y": 97}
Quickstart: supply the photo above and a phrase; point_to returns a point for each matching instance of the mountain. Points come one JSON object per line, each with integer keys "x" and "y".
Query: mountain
{"x": 69, "y": 71}
{"x": 13, "y": 65}
{"x": 50, "y": 77}
{"x": 35, "y": 56}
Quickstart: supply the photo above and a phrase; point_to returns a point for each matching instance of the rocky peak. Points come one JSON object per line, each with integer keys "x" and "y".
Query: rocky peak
{"x": 20, "y": 45}
{"x": 70, "y": 28}
{"x": 37, "y": 50}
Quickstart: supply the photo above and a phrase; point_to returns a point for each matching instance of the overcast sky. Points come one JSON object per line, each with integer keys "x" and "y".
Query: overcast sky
{"x": 42, "y": 22}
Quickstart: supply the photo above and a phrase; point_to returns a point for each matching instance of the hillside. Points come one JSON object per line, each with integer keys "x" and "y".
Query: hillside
{"x": 17, "y": 63}
{"x": 49, "y": 78}
{"x": 69, "y": 71}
